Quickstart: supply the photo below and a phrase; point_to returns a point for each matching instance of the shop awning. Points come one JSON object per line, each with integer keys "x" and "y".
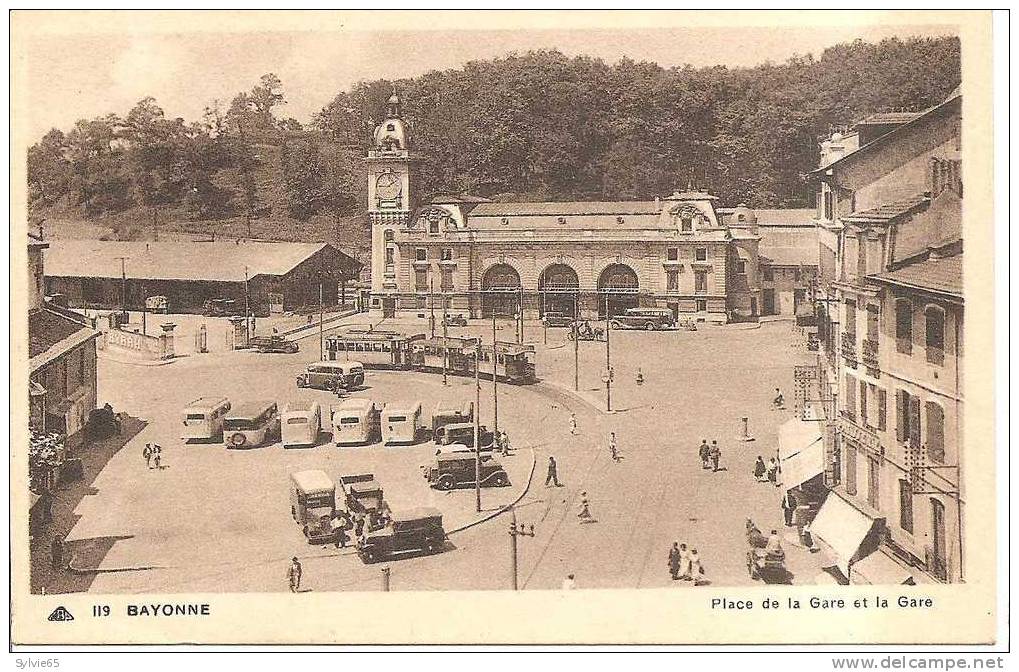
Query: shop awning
{"x": 879, "y": 569}
{"x": 843, "y": 528}
{"x": 800, "y": 452}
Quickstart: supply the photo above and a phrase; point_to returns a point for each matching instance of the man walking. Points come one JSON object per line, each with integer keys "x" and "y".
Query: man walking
{"x": 613, "y": 447}
{"x": 147, "y": 454}
{"x": 704, "y": 451}
{"x": 553, "y": 473}
{"x": 715, "y": 454}
{"x": 788, "y": 507}
{"x": 294, "y": 575}
{"x": 505, "y": 444}
{"x": 585, "y": 509}
{"x": 573, "y": 424}
{"x": 674, "y": 561}
{"x": 157, "y": 455}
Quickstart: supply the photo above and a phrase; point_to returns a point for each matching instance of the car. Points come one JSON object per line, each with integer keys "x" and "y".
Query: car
{"x": 463, "y": 432}
{"x": 408, "y": 532}
{"x": 452, "y": 470}
{"x": 273, "y": 344}
{"x": 221, "y": 308}
{"x": 555, "y": 319}
{"x": 454, "y": 320}
{"x": 156, "y": 304}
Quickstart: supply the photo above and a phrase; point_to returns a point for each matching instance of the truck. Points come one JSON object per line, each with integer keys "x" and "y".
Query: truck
{"x": 313, "y": 504}
{"x": 274, "y": 343}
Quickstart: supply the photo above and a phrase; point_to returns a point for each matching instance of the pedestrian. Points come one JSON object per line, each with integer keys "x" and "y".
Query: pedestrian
{"x": 147, "y": 454}
{"x": 505, "y": 443}
{"x": 773, "y": 471}
{"x": 704, "y": 451}
{"x": 613, "y": 447}
{"x": 696, "y": 568}
{"x": 569, "y": 583}
{"x": 57, "y": 552}
{"x": 294, "y": 574}
{"x": 773, "y": 548}
{"x": 339, "y": 526}
{"x": 358, "y": 523}
{"x": 715, "y": 454}
{"x": 759, "y": 469}
{"x": 573, "y": 424}
{"x": 807, "y": 538}
{"x": 275, "y": 331}
{"x": 779, "y": 400}
{"x": 157, "y": 455}
{"x": 640, "y": 376}
{"x": 788, "y": 507}
{"x": 585, "y": 509}
{"x": 553, "y": 473}
{"x": 674, "y": 561}
{"x": 684, "y": 563}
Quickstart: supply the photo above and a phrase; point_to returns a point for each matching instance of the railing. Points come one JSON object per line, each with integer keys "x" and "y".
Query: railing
{"x": 849, "y": 348}
{"x": 870, "y": 358}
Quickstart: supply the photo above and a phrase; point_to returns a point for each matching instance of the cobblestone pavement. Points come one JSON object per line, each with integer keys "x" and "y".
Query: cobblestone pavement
{"x": 218, "y": 520}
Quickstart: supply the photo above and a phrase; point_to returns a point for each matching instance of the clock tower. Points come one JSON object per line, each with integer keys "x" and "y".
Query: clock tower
{"x": 391, "y": 199}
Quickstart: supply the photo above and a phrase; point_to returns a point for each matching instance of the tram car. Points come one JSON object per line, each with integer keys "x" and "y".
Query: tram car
{"x": 374, "y": 349}
{"x": 514, "y": 364}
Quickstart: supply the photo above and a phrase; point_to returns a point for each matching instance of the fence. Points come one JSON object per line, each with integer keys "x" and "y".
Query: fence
{"x": 149, "y": 347}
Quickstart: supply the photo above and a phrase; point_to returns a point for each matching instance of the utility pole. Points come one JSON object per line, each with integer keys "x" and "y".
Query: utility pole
{"x": 477, "y": 426}
{"x": 495, "y": 380}
{"x": 145, "y": 311}
{"x": 608, "y": 357}
{"x": 516, "y": 531}
{"x": 576, "y": 341}
{"x": 123, "y": 288}
{"x": 321, "y": 316}
{"x": 247, "y": 309}
{"x": 520, "y": 315}
{"x": 431, "y": 306}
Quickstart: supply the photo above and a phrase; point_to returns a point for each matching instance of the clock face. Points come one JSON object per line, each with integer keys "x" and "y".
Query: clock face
{"x": 388, "y": 186}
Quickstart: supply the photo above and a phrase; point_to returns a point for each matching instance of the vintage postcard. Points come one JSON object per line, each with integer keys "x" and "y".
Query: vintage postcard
{"x": 502, "y": 327}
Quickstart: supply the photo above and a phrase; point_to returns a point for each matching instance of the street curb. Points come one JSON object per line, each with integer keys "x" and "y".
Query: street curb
{"x": 503, "y": 509}
{"x": 132, "y": 362}
{"x": 577, "y": 396}
{"x": 106, "y": 570}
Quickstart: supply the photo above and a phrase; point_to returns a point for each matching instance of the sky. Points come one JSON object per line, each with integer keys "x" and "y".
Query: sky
{"x": 82, "y": 75}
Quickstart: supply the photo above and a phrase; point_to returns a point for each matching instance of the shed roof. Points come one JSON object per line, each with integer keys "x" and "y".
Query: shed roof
{"x": 223, "y": 262}
{"x": 889, "y": 211}
{"x": 51, "y": 334}
{"x": 889, "y": 118}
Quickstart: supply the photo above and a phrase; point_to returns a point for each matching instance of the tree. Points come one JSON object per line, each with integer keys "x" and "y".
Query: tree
{"x": 49, "y": 170}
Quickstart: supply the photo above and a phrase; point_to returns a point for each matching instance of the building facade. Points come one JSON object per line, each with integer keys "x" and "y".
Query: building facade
{"x": 468, "y": 254}
{"x": 889, "y": 303}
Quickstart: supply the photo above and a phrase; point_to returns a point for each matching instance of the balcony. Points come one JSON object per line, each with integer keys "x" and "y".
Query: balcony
{"x": 849, "y": 349}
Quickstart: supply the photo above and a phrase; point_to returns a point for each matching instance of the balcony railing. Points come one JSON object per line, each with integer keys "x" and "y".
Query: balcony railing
{"x": 870, "y": 350}
{"x": 849, "y": 349}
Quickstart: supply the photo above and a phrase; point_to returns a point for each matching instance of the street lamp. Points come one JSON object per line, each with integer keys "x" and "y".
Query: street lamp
{"x": 477, "y": 426}
{"x": 608, "y": 357}
{"x": 514, "y": 532}
{"x": 495, "y": 380}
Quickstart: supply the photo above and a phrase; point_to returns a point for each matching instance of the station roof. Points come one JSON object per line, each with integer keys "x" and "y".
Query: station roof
{"x": 196, "y": 261}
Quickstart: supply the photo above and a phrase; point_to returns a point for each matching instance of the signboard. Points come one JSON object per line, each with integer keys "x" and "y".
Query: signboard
{"x": 854, "y": 432}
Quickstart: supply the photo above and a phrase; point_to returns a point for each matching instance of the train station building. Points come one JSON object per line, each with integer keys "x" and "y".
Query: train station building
{"x": 682, "y": 252}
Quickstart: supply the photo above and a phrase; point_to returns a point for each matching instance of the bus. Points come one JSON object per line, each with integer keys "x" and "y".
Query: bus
{"x": 355, "y": 422}
{"x": 203, "y": 418}
{"x": 300, "y": 424}
{"x": 332, "y": 376}
{"x": 515, "y": 361}
{"x": 649, "y": 319}
{"x": 251, "y": 424}
{"x": 374, "y": 349}
{"x": 401, "y": 423}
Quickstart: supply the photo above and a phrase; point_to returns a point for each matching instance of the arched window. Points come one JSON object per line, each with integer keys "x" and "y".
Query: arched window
{"x": 904, "y": 326}
{"x": 934, "y": 317}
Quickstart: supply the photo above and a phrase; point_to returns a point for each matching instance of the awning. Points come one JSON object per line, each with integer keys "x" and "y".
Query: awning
{"x": 879, "y": 569}
{"x": 800, "y": 452}
{"x": 843, "y": 528}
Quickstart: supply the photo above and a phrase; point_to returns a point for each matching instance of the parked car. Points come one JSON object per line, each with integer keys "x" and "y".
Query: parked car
{"x": 413, "y": 531}
{"x": 454, "y": 320}
{"x": 156, "y": 304}
{"x": 555, "y": 319}
{"x": 452, "y": 470}
{"x": 274, "y": 344}
{"x": 463, "y": 432}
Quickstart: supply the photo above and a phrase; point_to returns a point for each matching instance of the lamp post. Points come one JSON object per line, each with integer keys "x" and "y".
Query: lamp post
{"x": 431, "y": 306}
{"x": 576, "y": 341}
{"x": 321, "y": 319}
{"x": 608, "y": 356}
{"x": 517, "y": 531}
{"x": 477, "y": 426}
{"x": 123, "y": 288}
{"x": 495, "y": 380}
{"x": 445, "y": 336}
{"x": 247, "y": 310}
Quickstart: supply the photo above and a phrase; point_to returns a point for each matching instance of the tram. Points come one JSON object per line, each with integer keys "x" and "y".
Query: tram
{"x": 514, "y": 364}
{"x": 374, "y": 349}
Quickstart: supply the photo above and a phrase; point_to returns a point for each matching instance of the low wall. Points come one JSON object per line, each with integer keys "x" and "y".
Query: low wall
{"x": 148, "y": 347}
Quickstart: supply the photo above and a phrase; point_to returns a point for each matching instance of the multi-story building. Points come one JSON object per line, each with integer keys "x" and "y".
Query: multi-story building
{"x": 890, "y": 291}
{"x": 62, "y": 360}
{"x": 680, "y": 252}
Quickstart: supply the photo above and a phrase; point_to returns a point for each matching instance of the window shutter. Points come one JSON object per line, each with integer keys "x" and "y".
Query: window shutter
{"x": 914, "y": 421}
{"x": 900, "y": 416}
{"x": 882, "y": 411}
{"x": 864, "y": 417}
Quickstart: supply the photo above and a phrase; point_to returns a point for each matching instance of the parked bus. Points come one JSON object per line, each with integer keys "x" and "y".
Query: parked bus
{"x": 355, "y": 422}
{"x": 446, "y": 413}
{"x": 300, "y": 424}
{"x": 515, "y": 360}
{"x": 401, "y": 423}
{"x": 332, "y": 375}
{"x": 649, "y": 319}
{"x": 251, "y": 424}
{"x": 203, "y": 418}
{"x": 374, "y": 349}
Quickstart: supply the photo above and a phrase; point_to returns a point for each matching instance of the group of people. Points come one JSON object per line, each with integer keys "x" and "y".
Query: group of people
{"x": 685, "y": 565}
{"x": 153, "y": 454}
{"x": 710, "y": 455}
{"x": 766, "y": 473}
